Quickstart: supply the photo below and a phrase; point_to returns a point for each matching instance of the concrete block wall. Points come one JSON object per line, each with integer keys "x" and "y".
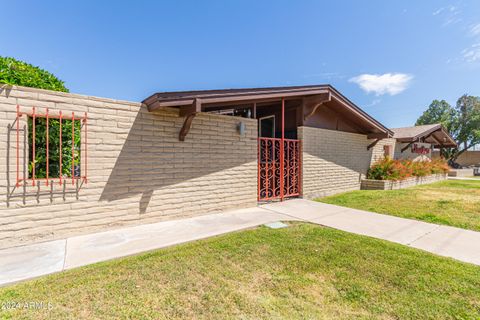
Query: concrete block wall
{"x": 333, "y": 161}
{"x": 138, "y": 171}
{"x": 378, "y": 152}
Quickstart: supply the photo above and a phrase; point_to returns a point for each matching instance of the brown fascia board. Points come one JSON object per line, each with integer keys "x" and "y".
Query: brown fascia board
{"x": 230, "y": 97}
{"x": 156, "y": 101}
{"x": 179, "y": 95}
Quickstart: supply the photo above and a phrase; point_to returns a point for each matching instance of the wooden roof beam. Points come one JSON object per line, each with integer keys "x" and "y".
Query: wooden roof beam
{"x": 311, "y": 104}
{"x": 407, "y": 146}
{"x": 378, "y": 135}
{"x": 373, "y": 144}
{"x": 189, "y": 112}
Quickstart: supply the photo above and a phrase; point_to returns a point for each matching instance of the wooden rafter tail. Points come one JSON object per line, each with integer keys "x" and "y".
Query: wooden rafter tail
{"x": 373, "y": 144}
{"x": 189, "y": 112}
{"x": 407, "y": 146}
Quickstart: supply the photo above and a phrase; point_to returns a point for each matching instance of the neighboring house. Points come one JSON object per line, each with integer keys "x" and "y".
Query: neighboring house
{"x": 416, "y": 143}
{"x": 181, "y": 154}
{"x": 470, "y": 158}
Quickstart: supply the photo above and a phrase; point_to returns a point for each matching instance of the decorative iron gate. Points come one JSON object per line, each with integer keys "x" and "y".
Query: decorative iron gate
{"x": 279, "y": 168}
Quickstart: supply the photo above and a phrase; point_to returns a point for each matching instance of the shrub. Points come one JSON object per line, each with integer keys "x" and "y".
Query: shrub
{"x": 18, "y": 73}
{"x": 389, "y": 169}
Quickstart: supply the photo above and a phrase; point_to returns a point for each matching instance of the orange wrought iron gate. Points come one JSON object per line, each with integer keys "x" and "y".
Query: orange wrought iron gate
{"x": 279, "y": 168}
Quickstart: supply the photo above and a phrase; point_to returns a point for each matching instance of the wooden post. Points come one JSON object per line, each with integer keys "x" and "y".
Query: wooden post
{"x": 282, "y": 152}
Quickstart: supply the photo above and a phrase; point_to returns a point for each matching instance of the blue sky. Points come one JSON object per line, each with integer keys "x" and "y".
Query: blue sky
{"x": 391, "y": 58}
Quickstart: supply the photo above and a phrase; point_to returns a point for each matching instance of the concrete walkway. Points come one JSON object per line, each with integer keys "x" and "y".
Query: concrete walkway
{"x": 460, "y": 244}
{"x": 21, "y": 263}
{"x": 25, "y": 262}
{"x": 464, "y": 178}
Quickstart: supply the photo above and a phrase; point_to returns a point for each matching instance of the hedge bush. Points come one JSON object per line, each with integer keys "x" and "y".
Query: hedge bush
{"x": 390, "y": 169}
{"x": 18, "y": 73}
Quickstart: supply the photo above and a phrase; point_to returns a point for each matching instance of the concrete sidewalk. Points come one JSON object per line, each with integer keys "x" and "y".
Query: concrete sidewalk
{"x": 464, "y": 178}
{"x": 26, "y": 262}
{"x": 21, "y": 263}
{"x": 460, "y": 244}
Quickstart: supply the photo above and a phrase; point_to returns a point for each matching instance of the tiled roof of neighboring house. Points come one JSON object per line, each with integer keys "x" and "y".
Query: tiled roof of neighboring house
{"x": 430, "y": 133}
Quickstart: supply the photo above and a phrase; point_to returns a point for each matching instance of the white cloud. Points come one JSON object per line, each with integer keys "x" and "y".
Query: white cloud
{"x": 449, "y": 15}
{"x": 475, "y": 30}
{"x": 438, "y": 11}
{"x": 472, "y": 54}
{"x": 388, "y": 83}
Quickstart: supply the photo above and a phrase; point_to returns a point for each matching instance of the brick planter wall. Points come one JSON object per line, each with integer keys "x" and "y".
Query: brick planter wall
{"x": 369, "y": 184}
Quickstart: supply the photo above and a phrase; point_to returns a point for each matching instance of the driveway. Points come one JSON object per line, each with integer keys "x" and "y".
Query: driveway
{"x": 21, "y": 263}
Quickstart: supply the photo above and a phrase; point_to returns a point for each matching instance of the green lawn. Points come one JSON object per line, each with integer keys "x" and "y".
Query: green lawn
{"x": 300, "y": 272}
{"x": 453, "y": 202}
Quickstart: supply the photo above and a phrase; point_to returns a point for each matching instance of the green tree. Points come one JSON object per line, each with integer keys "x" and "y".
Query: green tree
{"x": 439, "y": 111}
{"x": 462, "y": 121}
{"x": 19, "y": 73}
{"x": 468, "y": 110}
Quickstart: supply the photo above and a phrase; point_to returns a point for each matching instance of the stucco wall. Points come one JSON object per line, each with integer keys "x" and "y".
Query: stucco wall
{"x": 408, "y": 154}
{"x": 378, "y": 151}
{"x": 138, "y": 171}
{"x": 333, "y": 161}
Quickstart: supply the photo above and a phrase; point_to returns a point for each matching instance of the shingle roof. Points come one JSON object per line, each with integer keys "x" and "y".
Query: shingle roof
{"x": 413, "y": 132}
{"x": 430, "y": 133}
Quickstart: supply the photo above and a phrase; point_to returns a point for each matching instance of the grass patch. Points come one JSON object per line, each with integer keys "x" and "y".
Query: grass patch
{"x": 452, "y": 202}
{"x": 301, "y": 272}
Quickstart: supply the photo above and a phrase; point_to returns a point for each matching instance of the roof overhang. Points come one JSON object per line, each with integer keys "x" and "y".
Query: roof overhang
{"x": 436, "y": 135}
{"x": 206, "y": 100}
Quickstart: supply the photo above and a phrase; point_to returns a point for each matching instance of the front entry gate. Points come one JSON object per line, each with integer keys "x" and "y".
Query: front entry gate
{"x": 279, "y": 168}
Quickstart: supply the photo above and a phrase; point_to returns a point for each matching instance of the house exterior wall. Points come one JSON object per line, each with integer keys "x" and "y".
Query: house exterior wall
{"x": 408, "y": 154}
{"x": 138, "y": 171}
{"x": 333, "y": 161}
{"x": 378, "y": 151}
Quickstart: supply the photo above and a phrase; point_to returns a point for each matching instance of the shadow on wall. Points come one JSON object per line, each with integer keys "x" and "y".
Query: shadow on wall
{"x": 211, "y": 165}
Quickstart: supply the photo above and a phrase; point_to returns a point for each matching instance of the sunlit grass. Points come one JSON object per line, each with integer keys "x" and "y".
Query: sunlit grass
{"x": 300, "y": 272}
{"x": 453, "y": 202}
